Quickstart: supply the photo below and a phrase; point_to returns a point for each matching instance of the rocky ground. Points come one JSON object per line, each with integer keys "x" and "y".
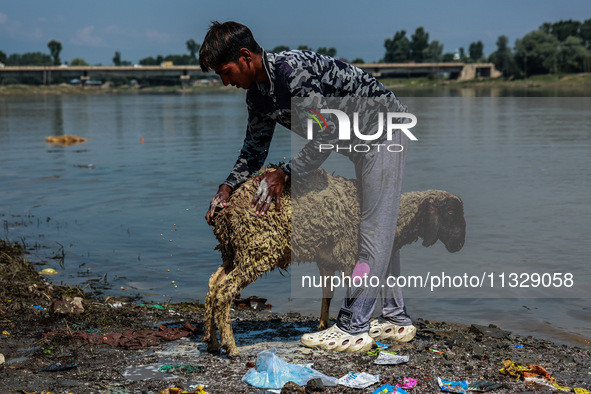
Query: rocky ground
{"x": 42, "y": 324}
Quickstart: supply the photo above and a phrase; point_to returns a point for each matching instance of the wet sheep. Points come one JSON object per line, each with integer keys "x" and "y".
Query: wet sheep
{"x": 326, "y": 210}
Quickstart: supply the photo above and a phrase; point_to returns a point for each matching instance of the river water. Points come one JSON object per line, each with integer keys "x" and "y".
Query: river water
{"x": 125, "y": 208}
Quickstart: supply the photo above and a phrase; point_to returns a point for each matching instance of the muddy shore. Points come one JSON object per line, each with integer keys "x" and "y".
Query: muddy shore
{"x": 42, "y": 323}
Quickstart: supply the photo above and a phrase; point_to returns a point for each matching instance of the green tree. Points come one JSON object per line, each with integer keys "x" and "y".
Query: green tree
{"x": 179, "y": 60}
{"x": 564, "y": 29}
{"x": 2, "y": 57}
{"x": 585, "y": 33}
{"x": 304, "y": 48}
{"x": 572, "y": 55}
{"x": 55, "y": 47}
{"x": 117, "y": 58}
{"x": 332, "y": 52}
{"x": 447, "y": 57}
{"x": 149, "y": 61}
{"x": 433, "y": 51}
{"x": 476, "y": 51}
{"x": 462, "y": 53}
{"x": 280, "y": 48}
{"x": 536, "y": 53}
{"x": 397, "y": 48}
{"x": 78, "y": 62}
{"x": 546, "y": 27}
{"x": 118, "y": 62}
{"x": 193, "y": 48}
{"x": 419, "y": 42}
{"x": 357, "y": 60}
{"x": 29, "y": 59}
{"x": 503, "y": 58}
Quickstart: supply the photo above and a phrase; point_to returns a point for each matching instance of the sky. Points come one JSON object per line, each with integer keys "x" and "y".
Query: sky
{"x": 94, "y": 30}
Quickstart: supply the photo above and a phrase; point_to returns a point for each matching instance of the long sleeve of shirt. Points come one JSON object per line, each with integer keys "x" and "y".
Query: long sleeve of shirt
{"x": 259, "y": 133}
{"x": 303, "y": 75}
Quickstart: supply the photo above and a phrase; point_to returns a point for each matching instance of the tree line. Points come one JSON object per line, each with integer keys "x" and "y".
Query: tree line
{"x": 563, "y": 46}
{"x": 55, "y": 48}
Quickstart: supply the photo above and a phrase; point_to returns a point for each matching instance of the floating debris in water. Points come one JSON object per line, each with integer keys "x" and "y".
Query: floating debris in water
{"x": 64, "y": 140}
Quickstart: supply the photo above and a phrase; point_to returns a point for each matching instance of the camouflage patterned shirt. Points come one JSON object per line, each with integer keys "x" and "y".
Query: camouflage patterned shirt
{"x": 297, "y": 74}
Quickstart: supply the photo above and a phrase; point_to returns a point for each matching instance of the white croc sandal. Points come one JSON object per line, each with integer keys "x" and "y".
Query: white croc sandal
{"x": 381, "y": 329}
{"x": 334, "y": 338}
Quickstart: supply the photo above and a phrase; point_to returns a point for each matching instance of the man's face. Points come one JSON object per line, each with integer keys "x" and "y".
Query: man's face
{"x": 240, "y": 74}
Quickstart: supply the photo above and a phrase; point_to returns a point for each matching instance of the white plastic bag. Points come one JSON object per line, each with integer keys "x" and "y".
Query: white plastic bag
{"x": 359, "y": 380}
{"x": 272, "y": 373}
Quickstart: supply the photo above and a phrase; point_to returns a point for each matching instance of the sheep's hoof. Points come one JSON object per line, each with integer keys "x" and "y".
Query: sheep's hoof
{"x": 232, "y": 352}
{"x": 213, "y": 347}
{"x": 206, "y": 336}
{"x": 323, "y": 325}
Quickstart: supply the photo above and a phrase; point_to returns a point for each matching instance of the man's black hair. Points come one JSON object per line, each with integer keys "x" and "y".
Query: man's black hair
{"x": 223, "y": 42}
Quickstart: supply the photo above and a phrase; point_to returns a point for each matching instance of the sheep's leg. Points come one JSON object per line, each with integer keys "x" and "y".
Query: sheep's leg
{"x": 222, "y": 316}
{"x": 210, "y": 334}
{"x": 229, "y": 288}
{"x": 327, "y": 295}
{"x": 324, "y": 311}
{"x": 227, "y": 291}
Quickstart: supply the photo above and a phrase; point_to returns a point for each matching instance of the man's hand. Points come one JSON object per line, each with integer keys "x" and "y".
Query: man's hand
{"x": 221, "y": 198}
{"x": 270, "y": 189}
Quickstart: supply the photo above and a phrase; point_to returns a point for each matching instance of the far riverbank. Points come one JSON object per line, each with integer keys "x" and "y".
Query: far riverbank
{"x": 580, "y": 84}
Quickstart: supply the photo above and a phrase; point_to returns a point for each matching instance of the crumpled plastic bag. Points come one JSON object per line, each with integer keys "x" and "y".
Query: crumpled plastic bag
{"x": 535, "y": 373}
{"x": 388, "y": 389}
{"x": 387, "y": 358}
{"x": 452, "y": 387}
{"x": 359, "y": 380}
{"x": 177, "y": 390}
{"x": 406, "y": 383}
{"x": 272, "y": 373}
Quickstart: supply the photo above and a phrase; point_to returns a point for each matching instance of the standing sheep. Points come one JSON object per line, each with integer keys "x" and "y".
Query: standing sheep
{"x": 325, "y": 211}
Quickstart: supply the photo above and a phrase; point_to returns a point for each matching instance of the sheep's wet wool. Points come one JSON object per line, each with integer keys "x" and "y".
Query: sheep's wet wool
{"x": 252, "y": 244}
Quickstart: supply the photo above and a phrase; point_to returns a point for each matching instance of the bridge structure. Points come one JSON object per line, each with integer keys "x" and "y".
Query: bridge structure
{"x": 47, "y": 74}
{"x": 457, "y": 71}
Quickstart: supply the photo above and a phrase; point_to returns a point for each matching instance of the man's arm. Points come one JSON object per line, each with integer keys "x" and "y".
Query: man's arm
{"x": 220, "y": 198}
{"x": 255, "y": 149}
{"x": 259, "y": 133}
{"x": 270, "y": 189}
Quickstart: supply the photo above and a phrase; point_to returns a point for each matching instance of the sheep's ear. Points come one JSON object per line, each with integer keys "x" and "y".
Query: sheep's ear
{"x": 430, "y": 224}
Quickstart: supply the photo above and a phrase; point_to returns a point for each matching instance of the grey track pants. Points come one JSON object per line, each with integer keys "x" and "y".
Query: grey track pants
{"x": 380, "y": 175}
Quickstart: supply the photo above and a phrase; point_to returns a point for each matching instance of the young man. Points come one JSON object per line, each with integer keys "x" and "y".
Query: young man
{"x": 272, "y": 81}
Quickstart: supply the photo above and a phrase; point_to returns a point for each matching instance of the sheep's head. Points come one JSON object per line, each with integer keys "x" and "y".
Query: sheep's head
{"x": 444, "y": 220}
